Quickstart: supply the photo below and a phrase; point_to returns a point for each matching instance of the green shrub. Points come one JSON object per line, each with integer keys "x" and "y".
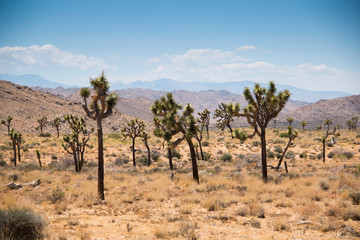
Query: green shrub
{"x": 284, "y": 135}
{"x": 4, "y": 148}
{"x": 303, "y": 155}
{"x": 14, "y": 177}
{"x": 206, "y": 156}
{"x": 279, "y": 141}
{"x": 3, "y": 163}
{"x": 270, "y": 154}
{"x": 205, "y": 143}
{"x": 92, "y": 164}
{"x": 142, "y": 160}
{"x": 319, "y": 156}
{"x": 114, "y": 135}
{"x": 121, "y": 161}
{"x": 27, "y": 167}
{"x": 53, "y": 157}
{"x": 226, "y": 157}
{"x": 324, "y": 185}
{"x": 278, "y": 155}
{"x": 219, "y": 152}
{"x": 20, "y": 224}
{"x": 174, "y": 153}
{"x": 45, "y": 134}
{"x": 330, "y": 154}
{"x": 256, "y": 143}
{"x": 290, "y": 155}
{"x": 155, "y": 156}
{"x": 278, "y": 149}
{"x": 348, "y": 155}
{"x": 56, "y": 195}
{"x": 355, "y": 197}
{"x": 312, "y": 157}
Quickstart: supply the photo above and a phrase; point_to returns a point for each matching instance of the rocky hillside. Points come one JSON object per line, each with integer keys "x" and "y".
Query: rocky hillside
{"x": 27, "y": 105}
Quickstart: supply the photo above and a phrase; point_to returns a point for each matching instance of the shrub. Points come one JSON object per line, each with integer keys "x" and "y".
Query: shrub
{"x": 155, "y": 156}
{"x": 45, "y": 134}
{"x": 290, "y": 155}
{"x": 324, "y": 185}
{"x": 4, "y": 148}
{"x": 27, "y": 167}
{"x": 121, "y": 161}
{"x": 206, "y": 156}
{"x": 92, "y": 164}
{"x": 219, "y": 152}
{"x": 279, "y": 141}
{"x": 3, "y": 163}
{"x": 226, "y": 157}
{"x": 355, "y": 197}
{"x": 319, "y": 156}
{"x": 114, "y": 135}
{"x": 53, "y": 157}
{"x": 13, "y": 177}
{"x": 278, "y": 155}
{"x": 20, "y": 224}
{"x": 330, "y": 154}
{"x": 303, "y": 155}
{"x": 142, "y": 160}
{"x": 205, "y": 143}
{"x": 284, "y": 135}
{"x": 278, "y": 149}
{"x": 256, "y": 143}
{"x": 56, "y": 195}
{"x": 174, "y": 153}
{"x": 348, "y": 155}
{"x": 312, "y": 157}
{"x": 270, "y": 154}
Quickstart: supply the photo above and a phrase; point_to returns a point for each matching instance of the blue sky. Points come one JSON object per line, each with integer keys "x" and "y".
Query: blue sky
{"x": 308, "y": 44}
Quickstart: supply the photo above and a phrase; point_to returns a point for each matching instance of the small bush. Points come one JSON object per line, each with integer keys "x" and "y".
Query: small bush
{"x": 14, "y": 177}
{"x": 114, "y": 135}
{"x": 226, "y": 157}
{"x": 3, "y": 163}
{"x": 355, "y": 197}
{"x": 205, "y": 143}
{"x": 45, "y": 134}
{"x": 53, "y": 157}
{"x": 279, "y": 141}
{"x": 303, "y": 155}
{"x": 324, "y": 185}
{"x": 121, "y": 161}
{"x": 348, "y": 155}
{"x": 219, "y": 152}
{"x": 174, "y": 153}
{"x": 142, "y": 160}
{"x": 312, "y": 157}
{"x": 284, "y": 135}
{"x": 20, "y": 224}
{"x": 330, "y": 154}
{"x": 206, "y": 156}
{"x": 4, "y": 148}
{"x": 270, "y": 154}
{"x": 319, "y": 156}
{"x": 256, "y": 143}
{"x": 155, "y": 157}
{"x": 278, "y": 155}
{"x": 57, "y": 195}
{"x": 290, "y": 155}
{"x": 278, "y": 149}
{"x": 27, "y": 167}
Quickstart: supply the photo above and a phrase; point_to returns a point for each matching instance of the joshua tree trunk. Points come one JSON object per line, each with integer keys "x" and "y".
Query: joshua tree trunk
{"x": 100, "y": 159}
{"x": 283, "y": 155}
{"x": 58, "y": 132}
{"x": 133, "y": 152}
{"x": 148, "y": 150}
{"x": 170, "y": 159}
{"x": 231, "y": 131}
{"x": 14, "y": 148}
{"x": 263, "y": 155}
{"x": 201, "y": 151}
{"x": 207, "y": 131}
{"x": 193, "y": 160}
{"x": 324, "y": 151}
{"x": 197, "y": 152}
{"x": 75, "y": 161}
{"x": 18, "y": 151}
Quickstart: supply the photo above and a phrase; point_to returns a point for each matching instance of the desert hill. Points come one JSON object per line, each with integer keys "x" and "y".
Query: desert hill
{"x": 27, "y": 105}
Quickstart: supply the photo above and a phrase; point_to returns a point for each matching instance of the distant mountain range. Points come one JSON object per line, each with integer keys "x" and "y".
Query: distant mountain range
{"x": 169, "y": 85}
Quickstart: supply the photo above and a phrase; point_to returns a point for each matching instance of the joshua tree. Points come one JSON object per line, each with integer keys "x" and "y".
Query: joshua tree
{"x": 303, "y": 124}
{"x": 38, "y": 155}
{"x": 133, "y": 130}
{"x": 15, "y": 137}
{"x": 355, "y": 120}
{"x": 76, "y": 142}
{"x": 102, "y": 104}
{"x": 7, "y": 123}
{"x": 199, "y": 135}
{"x": 205, "y": 119}
{"x": 168, "y": 123}
{"x": 56, "y": 123}
{"x": 225, "y": 114}
{"x": 290, "y": 121}
{"x": 144, "y": 138}
{"x": 264, "y": 105}
{"x": 292, "y": 135}
{"x": 242, "y": 136}
{"x": 350, "y": 124}
{"x": 327, "y": 123}
{"x": 42, "y": 123}
{"x": 166, "y": 114}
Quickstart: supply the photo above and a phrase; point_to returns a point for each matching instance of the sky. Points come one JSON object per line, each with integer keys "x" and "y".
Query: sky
{"x": 304, "y": 43}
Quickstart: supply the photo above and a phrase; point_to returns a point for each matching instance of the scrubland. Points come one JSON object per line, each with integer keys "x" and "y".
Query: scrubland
{"x": 314, "y": 200}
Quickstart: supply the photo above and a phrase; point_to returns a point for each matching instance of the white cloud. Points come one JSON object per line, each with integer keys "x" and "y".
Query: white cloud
{"x": 215, "y": 65}
{"x": 43, "y": 56}
{"x": 246, "y": 47}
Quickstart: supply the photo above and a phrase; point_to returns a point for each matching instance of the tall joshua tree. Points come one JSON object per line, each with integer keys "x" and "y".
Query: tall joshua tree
{"x": 101, "y": 106}
{"x": 290, "y": 121}
{"x": 15, "y": 137}
{"x": 56, "y": 124}
{"x": 166, "y": 110}
{"x": 350, "y": 124}
{"x": 264, "y": 105}
{"x": 133, "y": 130}
{"x": 292, "y": 135}
{"x": 355, "y": 120}
{"x": 205, "y": 120}
{"x": 303, "y": 124}
{"x": 327, "y": 123}
{"x": 42, "y": 123}
{"x": 225, "y": 114}
{"x": 7, "y": 123}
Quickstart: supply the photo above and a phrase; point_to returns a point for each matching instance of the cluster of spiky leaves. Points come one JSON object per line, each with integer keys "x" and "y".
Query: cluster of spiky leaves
{"x": 290, "y": 121}
{"x": 7, "y": 123}
{"x": 241, "y": 135}
{"x": 264, "y": 105}
{"x": 225, "y": 114}
{"x": 303, "y": 123}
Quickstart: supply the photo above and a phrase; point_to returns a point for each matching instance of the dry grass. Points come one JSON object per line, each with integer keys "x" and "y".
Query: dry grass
{"x": 314, "y": 201}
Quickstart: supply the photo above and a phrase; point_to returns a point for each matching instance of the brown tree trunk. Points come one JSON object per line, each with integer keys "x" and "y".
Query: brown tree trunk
{"x": 75, "y": 161}
{"x": 14, "y": 148}
{"x": 170, "y": 159}
{"x": 201, "y": 151}
{"x": 18, "y": 151}
{"x": 207, "y": 131}
{"x": 133, "y": 152}
{"x": 324, "y": 150}
{"x": 283, "y": 155}
{"x": 100, "y": 159}
{"x": 231, "y": 131}
{"x": 263, "y": 155}
{"x": 193, "y": 160}
{"x": 149, "y": 156}
{"x": 57, "y": 131}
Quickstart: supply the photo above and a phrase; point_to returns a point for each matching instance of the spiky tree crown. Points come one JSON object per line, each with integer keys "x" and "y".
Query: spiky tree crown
{"x": 133, "y": 129}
